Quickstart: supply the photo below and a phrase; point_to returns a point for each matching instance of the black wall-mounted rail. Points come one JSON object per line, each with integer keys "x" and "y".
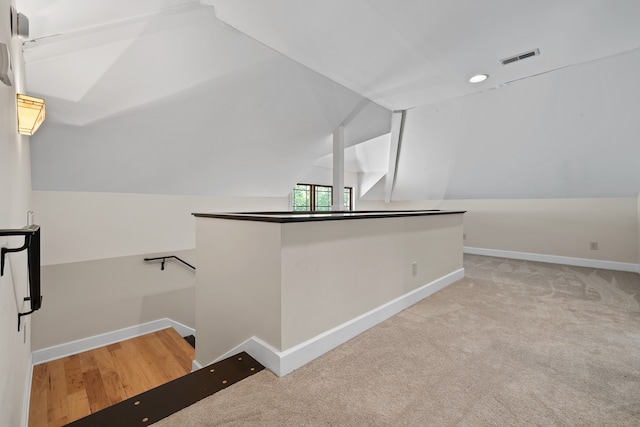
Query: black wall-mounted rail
{"x": 31, "y": 235}
{"x": 163, "y": 258}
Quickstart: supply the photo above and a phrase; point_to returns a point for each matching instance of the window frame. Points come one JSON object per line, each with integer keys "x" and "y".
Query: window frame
{"x": 313, "y": 203}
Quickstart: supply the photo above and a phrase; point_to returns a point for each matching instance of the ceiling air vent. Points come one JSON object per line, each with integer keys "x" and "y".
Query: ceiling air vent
{"x": 520, "y": 57}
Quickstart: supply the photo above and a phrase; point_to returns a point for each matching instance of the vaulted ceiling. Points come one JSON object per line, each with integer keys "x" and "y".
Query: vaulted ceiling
{"x": 241, "y": 96}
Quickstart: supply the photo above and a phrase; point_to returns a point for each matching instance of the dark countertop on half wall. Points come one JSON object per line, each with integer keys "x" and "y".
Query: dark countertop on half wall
{"x": 289, "y": 216}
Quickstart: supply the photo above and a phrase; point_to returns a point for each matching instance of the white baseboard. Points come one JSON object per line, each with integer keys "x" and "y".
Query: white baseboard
{"x": 195, "y": 365}
{"x": 555, "y": 259}
{"x": 74, "y": 347}
{"x": 284, "y": 362}
{"x": 27, "y": 396}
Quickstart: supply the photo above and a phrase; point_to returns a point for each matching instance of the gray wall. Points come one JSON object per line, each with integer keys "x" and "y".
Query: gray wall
{"x": 94, "y": 278}
{"x": 88, "y": 298}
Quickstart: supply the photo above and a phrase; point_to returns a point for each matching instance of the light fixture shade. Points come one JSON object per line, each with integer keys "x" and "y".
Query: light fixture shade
{"x": 31, "y": 114}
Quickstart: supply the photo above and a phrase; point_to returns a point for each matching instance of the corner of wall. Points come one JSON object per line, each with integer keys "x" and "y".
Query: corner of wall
{"x": 15, "y": 202}
{"x": 638, "y": 213}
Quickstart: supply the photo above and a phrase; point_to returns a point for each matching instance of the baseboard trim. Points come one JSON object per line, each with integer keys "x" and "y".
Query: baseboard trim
{"x": 284, "y": 362}
{"x": 195, "y": 365}
{"x": 27, "y": 397}
{"x": 78, "y": 346}
{"x": 555, "y": 259}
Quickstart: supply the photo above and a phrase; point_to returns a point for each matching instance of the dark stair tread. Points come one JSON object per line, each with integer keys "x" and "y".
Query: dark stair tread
{"x": 191, "y": 340}
{"x": 160, "y": 402}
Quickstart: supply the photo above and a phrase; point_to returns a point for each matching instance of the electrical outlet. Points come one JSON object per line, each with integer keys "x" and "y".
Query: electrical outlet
{"x": 594, "y": 246}
{"x": 414, "y": 268}
{"x": 464, "y": 236}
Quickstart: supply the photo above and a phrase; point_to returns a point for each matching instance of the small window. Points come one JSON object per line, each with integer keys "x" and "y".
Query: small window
{"x": 302, "y": 197}
{"x": 312, "y": 197}
{"x": 323, "y": 198}
{"x": 348, "y": 198}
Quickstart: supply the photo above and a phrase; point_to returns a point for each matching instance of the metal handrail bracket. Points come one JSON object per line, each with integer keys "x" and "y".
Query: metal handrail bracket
{"x": 163, "y": 258}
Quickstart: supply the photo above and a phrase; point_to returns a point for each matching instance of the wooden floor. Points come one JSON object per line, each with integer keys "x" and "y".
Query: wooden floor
{"x": 70, "y": 388}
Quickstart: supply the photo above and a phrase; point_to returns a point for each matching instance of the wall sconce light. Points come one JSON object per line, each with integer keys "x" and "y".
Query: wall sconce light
{"x": 31, "y": 114}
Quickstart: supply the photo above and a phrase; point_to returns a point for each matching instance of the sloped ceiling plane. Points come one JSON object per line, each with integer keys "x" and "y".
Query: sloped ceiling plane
{"x": 240, "y": 97}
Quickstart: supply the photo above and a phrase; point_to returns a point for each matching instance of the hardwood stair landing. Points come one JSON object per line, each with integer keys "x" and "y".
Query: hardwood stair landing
{"x": 67, "y": 389}
{"x": 160, "y": 402}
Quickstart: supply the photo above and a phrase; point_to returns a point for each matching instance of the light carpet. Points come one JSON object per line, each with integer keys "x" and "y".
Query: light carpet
{"x": 513, "y": 343}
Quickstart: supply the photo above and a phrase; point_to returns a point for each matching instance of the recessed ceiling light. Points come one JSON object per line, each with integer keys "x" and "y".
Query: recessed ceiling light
{"x": 478, "y": 78}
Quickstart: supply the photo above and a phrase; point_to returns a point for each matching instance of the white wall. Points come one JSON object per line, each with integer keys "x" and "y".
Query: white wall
{"x": 561, "y": 227}
{"x": 15, "y": 194}
{"x": 238, "y": 286}
{"x": 94, "y": 279}
{"x": 288, "y": 283}
{"x": 335, "y": 271}
{"x": 570, "y": 133}
{"x": 78, "y": 226}
{"x": 88, "y": 298}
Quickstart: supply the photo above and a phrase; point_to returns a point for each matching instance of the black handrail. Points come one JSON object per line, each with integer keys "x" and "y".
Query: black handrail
{"x": 163, "y": 258}
{"x": 31, "y": 235}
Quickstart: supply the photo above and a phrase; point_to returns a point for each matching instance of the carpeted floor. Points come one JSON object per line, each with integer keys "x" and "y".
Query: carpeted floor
{"x": 514, "y": 343}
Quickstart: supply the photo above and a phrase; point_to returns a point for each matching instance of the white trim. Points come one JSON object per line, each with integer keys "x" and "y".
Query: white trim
{"x": 27, "y": 397}
{"x": 195, "y": 365}
{"x": 284, "y": 362}
{"x": 78, "y": 346}
{"x": 555, "y": 259}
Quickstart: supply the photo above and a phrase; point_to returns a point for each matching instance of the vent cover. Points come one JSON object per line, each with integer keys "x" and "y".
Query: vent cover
{"x": 520, "y": 57}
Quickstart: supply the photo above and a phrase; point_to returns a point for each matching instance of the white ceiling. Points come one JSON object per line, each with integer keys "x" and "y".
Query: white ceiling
{"x": 408, "y": 53}
{"x": 400, "y": 54}
{"x": 272, "y": 78}
{"x": 105, "y": 70}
